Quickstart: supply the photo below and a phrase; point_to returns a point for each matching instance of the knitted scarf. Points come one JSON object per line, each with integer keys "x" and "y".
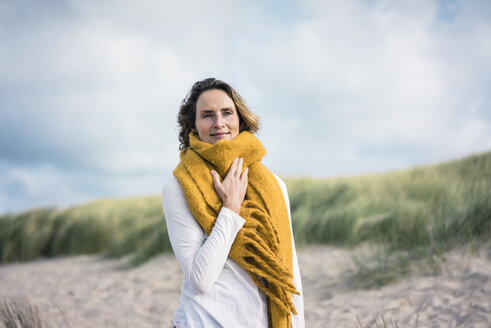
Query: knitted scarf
{"x": 263, "y": 247}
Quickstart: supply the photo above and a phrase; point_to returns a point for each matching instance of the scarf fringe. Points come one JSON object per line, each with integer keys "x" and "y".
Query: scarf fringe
{"x": 268, "y": 274}
{"x": 269, "y": 259}
{"x": 257, "y": 217}
{"x": 272, "y": 294}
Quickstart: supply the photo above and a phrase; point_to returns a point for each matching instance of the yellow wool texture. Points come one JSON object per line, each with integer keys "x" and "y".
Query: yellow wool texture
{"x": 263, "y": 247}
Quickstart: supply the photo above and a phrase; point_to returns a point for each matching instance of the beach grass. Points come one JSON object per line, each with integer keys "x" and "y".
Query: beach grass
{"x": 435, "y": 207}
{"x": 423, "y": 210}
{"x": 20, "y": 313}
{"x": 114, "y": 227}
{"x": 414, "y": 216}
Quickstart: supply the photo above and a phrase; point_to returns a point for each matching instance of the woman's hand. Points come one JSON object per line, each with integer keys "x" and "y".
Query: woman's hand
{"x": 233, "y": 188}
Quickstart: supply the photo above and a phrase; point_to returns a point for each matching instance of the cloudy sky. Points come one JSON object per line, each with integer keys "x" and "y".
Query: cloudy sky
{"x": 90, "y": 89}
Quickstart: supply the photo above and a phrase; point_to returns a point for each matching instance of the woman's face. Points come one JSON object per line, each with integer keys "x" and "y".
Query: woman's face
{"x": 216, "y": 117}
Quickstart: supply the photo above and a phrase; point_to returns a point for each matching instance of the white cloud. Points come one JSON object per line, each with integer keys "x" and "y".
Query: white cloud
{"x": 377, "y": 78}
{"x": 89, "y": 91}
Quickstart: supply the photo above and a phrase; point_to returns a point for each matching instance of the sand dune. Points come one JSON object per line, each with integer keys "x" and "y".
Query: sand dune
{"x": 91, "y": 291}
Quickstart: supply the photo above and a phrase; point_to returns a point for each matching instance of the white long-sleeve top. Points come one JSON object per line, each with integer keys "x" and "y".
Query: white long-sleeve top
{"x": 216, "y": 290}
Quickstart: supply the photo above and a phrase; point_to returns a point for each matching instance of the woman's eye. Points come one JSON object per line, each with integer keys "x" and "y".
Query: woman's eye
{"x": 228, "y": 113}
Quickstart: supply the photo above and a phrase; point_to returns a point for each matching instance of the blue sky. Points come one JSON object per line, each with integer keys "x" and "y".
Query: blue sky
{"x": 89, "y": 90}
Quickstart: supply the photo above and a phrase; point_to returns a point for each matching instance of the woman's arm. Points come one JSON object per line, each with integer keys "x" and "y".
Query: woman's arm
{"x": 298, "y": 320}
{"x": 201, "y": 258}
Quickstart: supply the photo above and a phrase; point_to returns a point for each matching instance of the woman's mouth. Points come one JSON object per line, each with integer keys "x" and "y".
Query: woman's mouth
{"x": 220, "y": 135}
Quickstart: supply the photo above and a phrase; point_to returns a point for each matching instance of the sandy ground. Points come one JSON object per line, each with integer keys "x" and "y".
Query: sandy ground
{"x": 91, "y": 291}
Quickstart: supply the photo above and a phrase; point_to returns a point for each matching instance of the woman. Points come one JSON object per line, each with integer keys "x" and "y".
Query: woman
{"x": 228, "y": 219}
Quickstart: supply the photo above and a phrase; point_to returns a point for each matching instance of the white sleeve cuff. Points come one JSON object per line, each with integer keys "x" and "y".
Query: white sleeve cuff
{"x": 231, "y": 216}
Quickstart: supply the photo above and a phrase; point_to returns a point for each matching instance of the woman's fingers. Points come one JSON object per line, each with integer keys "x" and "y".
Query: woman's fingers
{"x": 238, "y": 171}
{"x": 216, "y": 179}
{"x": 233, "y": 167}
{"x": 243, "y": 178}
{"x": 233, "y": 188}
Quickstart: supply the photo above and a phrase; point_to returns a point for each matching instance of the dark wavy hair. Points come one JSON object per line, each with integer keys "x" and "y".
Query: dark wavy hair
{"x": 187, "y": 113}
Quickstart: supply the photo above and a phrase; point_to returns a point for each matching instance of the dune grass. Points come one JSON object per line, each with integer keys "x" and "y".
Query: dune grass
{"x": 414, "y": 216}
{"x": 422, "y": 210}
{"x": 436, "y": 207}
{"x": 19, "y": 313}
{"x": 114, "y": 227}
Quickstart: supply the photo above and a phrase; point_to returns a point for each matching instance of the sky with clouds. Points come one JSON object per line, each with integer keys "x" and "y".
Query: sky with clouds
{"x": 89, "y": 90}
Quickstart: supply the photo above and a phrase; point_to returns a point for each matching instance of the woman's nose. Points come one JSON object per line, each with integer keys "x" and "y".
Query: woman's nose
{"x": 219, "y": 120}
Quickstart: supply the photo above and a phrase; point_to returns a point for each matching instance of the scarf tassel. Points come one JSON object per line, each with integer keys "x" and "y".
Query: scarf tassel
{"x": 276, "y": 296}
{"x": 258, "y": 218}
{"x": 272, "y": 261}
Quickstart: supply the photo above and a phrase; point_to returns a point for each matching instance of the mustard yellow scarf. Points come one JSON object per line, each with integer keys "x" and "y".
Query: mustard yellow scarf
{"x": 263, "y": 246}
